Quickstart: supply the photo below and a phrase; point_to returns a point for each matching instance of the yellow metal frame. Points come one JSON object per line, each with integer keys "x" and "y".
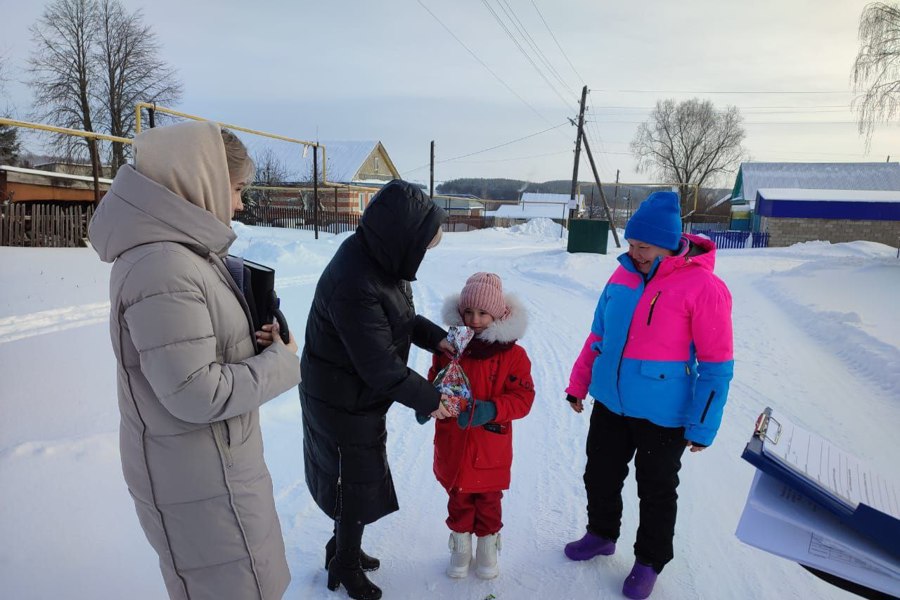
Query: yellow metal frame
{"x": 65, "y": 130}
{"x": 275, "y": 136}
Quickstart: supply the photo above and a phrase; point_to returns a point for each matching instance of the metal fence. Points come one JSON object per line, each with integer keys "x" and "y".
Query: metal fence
{"x": 40, "y": 225}
{"x": 729, "y": 240}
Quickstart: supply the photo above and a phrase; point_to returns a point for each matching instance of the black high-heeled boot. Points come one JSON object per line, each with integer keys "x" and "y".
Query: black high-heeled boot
{"x": 354, "y": 580}
{"x": 345, "y": 569}
{"x": 368, "y": 563}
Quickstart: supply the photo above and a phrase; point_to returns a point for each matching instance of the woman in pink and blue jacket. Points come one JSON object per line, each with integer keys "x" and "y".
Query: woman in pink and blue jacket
{"x": 658, "y": 362}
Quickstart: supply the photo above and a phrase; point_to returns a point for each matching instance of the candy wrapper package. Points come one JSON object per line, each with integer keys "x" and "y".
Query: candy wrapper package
{"x": 451, "y": 380}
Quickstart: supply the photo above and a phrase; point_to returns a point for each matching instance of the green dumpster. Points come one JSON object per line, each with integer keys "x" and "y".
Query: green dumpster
{"x": 588, "y": 235}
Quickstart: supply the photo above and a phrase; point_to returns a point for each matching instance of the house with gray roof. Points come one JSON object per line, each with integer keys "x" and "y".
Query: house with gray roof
{"x": 752, "y": 176}
{"x": 837, "y": 202}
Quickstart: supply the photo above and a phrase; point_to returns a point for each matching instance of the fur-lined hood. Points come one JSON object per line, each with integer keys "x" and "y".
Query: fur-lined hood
{"x": 507, "y": 330}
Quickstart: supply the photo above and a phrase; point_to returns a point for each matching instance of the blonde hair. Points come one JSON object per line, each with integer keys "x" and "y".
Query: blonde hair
{"x": 241, "y": 168}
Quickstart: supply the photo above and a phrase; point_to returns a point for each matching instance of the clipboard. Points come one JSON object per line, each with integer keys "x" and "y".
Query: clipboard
{"x": 880, "y": 527}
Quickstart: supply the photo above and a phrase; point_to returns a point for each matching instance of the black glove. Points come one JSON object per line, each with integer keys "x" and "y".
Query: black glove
{"x": 422, "y": 419}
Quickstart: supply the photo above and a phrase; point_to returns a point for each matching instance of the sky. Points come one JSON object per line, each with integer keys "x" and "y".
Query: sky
{"x": 816, "y": 339}
{"x": 407, "y": 72}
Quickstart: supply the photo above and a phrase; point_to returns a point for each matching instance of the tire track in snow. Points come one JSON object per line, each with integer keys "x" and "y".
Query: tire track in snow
{"x": 18, "y": 327}
{"x": 295, "y": 281}
{"x": 868, "y": 357}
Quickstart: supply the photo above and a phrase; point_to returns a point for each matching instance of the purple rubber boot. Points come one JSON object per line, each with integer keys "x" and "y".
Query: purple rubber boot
{"x": 639, "y": 583}
{"x": 589, "y": 546}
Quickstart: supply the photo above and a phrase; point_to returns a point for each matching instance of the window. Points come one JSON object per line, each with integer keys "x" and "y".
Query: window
{"x": 376, "y": 164}
{"x": 362, "y": 202}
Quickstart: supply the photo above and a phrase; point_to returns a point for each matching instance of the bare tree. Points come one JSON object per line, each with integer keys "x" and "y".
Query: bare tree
{"x": 62, "y": 70}
{"x": 127, "y": 54}
{"x": 876, "y": 71}
{"x": 689, "y": 143}
{"x": 92, "y": 62}
{"x": 9, "y": 136}
{"x": 270, "y": 169}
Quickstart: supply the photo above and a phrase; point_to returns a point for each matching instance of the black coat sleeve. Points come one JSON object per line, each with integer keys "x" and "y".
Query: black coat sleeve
{"x": 365, "y": 332}
{"x": 426, "y": 334}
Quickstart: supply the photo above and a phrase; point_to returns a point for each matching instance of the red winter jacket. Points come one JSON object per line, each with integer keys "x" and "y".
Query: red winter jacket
{"x": 476, "y": 459}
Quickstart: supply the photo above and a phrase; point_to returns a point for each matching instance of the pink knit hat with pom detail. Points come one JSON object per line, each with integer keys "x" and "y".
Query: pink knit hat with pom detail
{"x": 484, "y": 291}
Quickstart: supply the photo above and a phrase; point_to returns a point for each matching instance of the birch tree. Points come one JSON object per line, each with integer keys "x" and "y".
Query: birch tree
{"x": 876, "y": 70}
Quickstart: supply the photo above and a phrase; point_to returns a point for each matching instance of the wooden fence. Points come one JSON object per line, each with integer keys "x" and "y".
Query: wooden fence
{"x": 40, "y": 225}
{"x": 297, "y": 217}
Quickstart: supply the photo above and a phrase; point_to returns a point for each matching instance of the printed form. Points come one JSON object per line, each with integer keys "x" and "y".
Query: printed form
{"x": 840, "y": 474}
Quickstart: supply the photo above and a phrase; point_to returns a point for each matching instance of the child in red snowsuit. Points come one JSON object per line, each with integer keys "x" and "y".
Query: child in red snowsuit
{"x": 473, "y": 453}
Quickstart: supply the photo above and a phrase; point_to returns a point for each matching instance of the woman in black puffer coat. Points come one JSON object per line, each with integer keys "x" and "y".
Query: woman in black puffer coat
{"x": 358, "y": 335}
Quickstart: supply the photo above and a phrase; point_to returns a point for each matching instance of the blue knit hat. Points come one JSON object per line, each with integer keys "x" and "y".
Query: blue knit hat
{"x": 657, "y": 221}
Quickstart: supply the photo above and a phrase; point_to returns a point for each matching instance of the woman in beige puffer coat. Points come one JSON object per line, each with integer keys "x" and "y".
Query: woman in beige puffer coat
{"x": 190, "y": 380}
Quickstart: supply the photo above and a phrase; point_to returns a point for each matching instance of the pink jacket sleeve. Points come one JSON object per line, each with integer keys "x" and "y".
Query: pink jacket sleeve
{"x": 580, "y": 378}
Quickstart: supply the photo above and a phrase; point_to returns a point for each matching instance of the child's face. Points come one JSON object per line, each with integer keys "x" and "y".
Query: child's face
{"x": 477, "y": 319}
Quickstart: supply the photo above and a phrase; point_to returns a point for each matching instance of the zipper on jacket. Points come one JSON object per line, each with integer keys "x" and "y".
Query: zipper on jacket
{"x": 221, "y": 442}
{"x": 338, "y": 498}
{"x": 712, "y": 395}
{"x": 652, "y": 306}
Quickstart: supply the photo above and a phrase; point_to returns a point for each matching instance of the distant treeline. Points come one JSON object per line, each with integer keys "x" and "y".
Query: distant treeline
{"x": 512, "y": 189}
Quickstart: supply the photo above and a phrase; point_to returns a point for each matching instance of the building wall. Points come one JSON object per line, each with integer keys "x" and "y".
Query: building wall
{"x": 375, "y": 167}
{"x": 785, "y": 232}
{"x": 346, "y": 199}
{"x": 48, "y": 191}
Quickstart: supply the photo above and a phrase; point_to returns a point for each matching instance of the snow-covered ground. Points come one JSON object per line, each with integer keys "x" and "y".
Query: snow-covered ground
{"x": 817, "y": 335}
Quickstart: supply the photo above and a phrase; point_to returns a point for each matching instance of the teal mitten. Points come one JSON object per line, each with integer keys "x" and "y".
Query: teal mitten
{"x": 485, "y": 411}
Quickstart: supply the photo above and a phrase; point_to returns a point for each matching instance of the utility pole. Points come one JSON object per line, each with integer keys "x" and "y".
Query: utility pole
{"x": 615, "y": 201}
{"x": 578, "y": 137}
{"x": 316, "y": 190}
{"x": 431, "y": 194}
{"x": 587, "y": 148}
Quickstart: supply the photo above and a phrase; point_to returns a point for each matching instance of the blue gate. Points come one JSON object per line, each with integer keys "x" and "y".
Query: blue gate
{"x": 736, "y": 239}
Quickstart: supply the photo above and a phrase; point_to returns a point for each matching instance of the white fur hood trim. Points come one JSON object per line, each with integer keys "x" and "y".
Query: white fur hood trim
{"x": 510, "y": 329}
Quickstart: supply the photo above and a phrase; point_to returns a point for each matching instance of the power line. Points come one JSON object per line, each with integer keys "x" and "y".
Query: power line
{"x": 483, "y": 64}
{"x": 721, "y": 92}
{"x": 749, "y": 112}
{"x": 756, "y": 122}
{"x": 534, "y": 45}
{"x": 847, "y": 106}
{"x": 580, "y": 78}
{"x": 527, "y": 56}
{"x": 525, "y": 137}
{"x": 493, "y": 160}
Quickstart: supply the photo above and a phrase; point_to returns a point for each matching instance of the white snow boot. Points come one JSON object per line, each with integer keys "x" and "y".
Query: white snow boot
{"x": 460, "y": 555}
{"x": 486, "y": 556}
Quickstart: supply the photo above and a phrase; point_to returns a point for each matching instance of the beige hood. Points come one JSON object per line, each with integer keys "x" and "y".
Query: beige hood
{"x": 189, "y": 160}
{"x": 177, "y": 192}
